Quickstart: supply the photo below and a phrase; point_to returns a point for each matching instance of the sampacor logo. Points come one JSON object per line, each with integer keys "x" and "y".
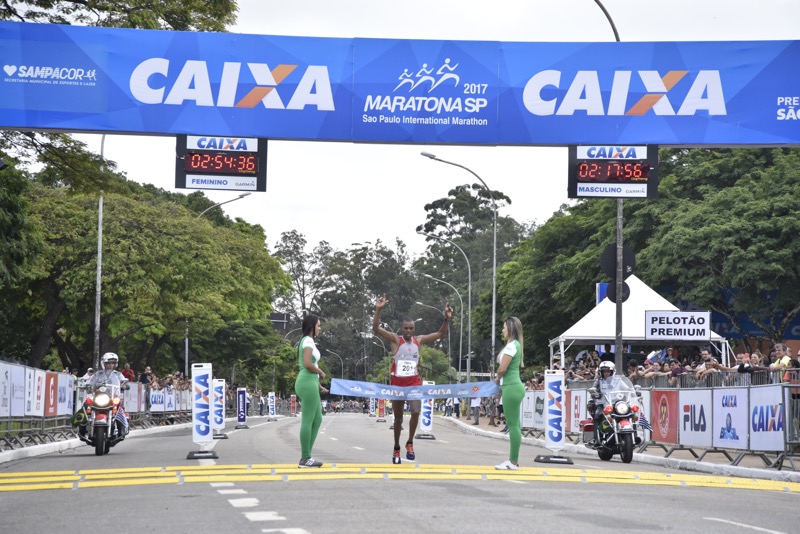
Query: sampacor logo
{"x": 193, "y": 83}
{"x": 584, "y": 93}
{"x": 37, "y": 72}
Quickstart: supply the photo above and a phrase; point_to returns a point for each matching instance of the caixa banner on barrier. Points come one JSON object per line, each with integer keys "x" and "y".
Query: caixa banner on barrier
{"x": 82, "y": 78}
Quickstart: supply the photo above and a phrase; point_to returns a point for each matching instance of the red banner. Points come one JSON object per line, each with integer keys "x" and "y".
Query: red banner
{"x": 664, "y": 415}
{"x": 51, "y": 394}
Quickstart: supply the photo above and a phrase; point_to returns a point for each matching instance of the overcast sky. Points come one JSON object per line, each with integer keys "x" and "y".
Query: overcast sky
{"x": 345, "y": 193}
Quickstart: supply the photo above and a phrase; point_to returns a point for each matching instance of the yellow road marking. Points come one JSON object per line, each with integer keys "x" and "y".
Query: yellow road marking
{"x": 94, "y": 478}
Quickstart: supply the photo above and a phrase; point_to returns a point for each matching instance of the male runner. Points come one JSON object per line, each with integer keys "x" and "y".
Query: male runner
{"x": 405, "y": 370}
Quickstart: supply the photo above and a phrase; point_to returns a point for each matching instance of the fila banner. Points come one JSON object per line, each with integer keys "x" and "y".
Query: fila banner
{"x": 77, "y": 78}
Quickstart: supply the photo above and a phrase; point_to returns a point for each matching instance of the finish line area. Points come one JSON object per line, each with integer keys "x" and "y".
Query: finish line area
{"x": 215, "y": 474}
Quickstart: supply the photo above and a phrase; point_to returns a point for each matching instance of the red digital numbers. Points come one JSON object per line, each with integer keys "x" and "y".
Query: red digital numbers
{"x": 221, "y": 163}
{"x": 613, "y": 171}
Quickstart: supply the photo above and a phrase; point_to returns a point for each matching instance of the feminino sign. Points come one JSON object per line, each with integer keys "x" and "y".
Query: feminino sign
{"x": 669, "y": 325}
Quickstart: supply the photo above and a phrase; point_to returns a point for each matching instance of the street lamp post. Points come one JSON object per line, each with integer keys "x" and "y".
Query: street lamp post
{"x": 461, "y": 320}
{"x": 186, "y": 337}
{"x": 340, "y": 359}
{"x": 449, "y": 352}
{"x": 494, "y": 246}
{"x": 469, "y": 302}
{"x": 220, "y": 204}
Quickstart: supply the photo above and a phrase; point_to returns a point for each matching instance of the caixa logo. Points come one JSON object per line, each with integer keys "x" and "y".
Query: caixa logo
{"x": 154, "y": 81}
{"x": 584, "y": 93}
{"x": 767, "y": 418}
{"x": 427, "y": 412}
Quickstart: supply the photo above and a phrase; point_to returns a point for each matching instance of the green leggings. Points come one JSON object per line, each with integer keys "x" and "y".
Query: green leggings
{"x": 512, "y": 402}
{"x": 307, "y": 388}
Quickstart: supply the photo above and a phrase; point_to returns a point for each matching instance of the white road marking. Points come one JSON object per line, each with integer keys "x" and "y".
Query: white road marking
{"x": 286, "y": 530}
{"x": 335, "y": 439}
{"x": 221, "y": 484}
{"x": 744, "y": 525}
{"x": 264, "y": 516}
{"x": 245, "y": 502}
{"x": 231, "y": 491}
{"x": 359, "y": 448}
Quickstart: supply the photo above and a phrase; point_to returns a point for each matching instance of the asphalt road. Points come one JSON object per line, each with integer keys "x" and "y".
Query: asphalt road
{"x": 146, "y": 484}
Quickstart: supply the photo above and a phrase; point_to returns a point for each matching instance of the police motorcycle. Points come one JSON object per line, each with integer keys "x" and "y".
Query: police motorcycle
{"x": 619, "y": 424}
{"x": 103, "y": 429}
{"x": 102, "y": 420}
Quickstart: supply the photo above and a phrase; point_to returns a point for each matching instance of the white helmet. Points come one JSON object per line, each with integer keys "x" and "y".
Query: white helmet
{"x": 109, "y": 357}
{"x": 607, "y": 366}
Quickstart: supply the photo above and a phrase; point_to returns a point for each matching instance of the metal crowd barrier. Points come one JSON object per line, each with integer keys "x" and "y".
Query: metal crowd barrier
{"x": 728, "y": 413}
{"x": 37, "y": 406}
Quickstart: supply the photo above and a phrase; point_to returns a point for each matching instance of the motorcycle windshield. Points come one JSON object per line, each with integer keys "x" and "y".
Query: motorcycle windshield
{"x": 621, "y": 384}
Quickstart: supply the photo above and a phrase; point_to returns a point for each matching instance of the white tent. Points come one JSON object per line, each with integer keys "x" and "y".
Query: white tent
{"x": 599, "y": 326}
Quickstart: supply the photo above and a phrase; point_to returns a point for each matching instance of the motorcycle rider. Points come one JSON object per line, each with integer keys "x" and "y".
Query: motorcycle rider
{"x": 606, "y": 381}
{"x": 109, "y": 375}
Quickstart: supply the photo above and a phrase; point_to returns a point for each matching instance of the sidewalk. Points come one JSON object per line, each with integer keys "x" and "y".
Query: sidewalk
{"x": 715, "y": 463}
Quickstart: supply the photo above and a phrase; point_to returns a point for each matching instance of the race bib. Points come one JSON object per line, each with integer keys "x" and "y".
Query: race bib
{"x": 406, "y": 368}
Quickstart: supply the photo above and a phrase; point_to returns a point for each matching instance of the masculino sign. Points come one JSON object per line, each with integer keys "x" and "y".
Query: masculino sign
{"x": 75, "y": 78}
{"x": 671, "y": 325}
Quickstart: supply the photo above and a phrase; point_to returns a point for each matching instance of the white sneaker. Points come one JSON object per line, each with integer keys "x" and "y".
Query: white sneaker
{"x": 507, "y": 466}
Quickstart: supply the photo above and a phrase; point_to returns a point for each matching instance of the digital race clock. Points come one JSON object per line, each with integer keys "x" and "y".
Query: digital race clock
{"x": 221, "y": 163}
{"x": 230, "y": 163}
{"x": 613, "y": 171}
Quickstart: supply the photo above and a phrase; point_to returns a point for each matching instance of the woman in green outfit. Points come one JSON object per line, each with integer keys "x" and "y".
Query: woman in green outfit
{"x": 308, "y": 388}
{"x": 510, "y": 362}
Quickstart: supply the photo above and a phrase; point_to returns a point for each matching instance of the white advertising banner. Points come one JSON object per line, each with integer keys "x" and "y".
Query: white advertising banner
{"x": 157, "y": 401}
{"x": 18, "y": 377}
{"x": 554, "y": 410}
{"x": 767, "y": 418}
{"x": 133, "y": 398}
{"x": 538, "y": 410}
{"x": 201, "y": 403}
{"x": 5, "y": 390}
{"x": 65, "y": 387}
{"x": 695, "y": 417}
{"x": 683, "y": 325}
{"x": 730, "y": 418}
{"x": 169, "y": 400}
{"x": 34, "y": 392}
{"x": 577, "y": 409}
{"x": 528, "y": 406}
{"x": 645, "y": 403}
{"x": 426, "y": 417}
{"x": 271, "y": 403}
{"x": 218, "y": 409}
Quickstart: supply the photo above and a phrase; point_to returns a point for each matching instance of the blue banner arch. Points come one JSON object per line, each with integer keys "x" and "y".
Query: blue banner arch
{"x": 71, "y": 78}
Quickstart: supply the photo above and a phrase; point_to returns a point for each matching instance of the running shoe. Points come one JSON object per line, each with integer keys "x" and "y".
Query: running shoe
{"x": 396, "y": 456}
{"x": 507, "y": 466}
{"x": 410, "y": 451}
{"x": 309, "y": 462}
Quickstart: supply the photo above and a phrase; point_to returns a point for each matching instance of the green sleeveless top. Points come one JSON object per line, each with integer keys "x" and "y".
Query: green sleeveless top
{"x": 307, "y": 343}
{"x": 513, "y": 349}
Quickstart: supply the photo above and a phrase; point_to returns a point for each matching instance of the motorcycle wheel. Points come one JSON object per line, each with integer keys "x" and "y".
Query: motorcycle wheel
{"x": 605, "y": 454}
{"x": 100, "y": 441}
{"x": 627, "y": 448}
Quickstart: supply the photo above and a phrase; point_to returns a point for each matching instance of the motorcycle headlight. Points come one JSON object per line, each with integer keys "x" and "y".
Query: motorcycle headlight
{"x": 622, "y": 408}
{"x": 101, "y": 399}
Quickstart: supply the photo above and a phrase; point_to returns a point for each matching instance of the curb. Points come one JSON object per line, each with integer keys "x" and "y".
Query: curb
{"x": 672, "y": 463}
